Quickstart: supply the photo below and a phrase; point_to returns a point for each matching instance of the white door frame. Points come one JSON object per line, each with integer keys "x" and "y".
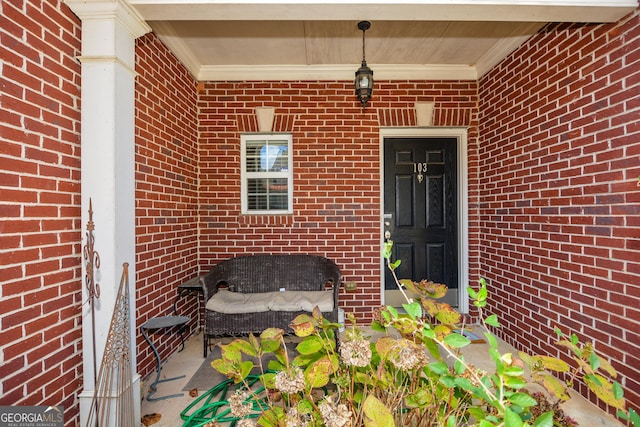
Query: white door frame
{"x": 460, "y": 133}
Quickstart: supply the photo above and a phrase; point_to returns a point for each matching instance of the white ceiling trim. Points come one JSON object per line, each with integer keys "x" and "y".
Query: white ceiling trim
{"x": 419, "y": 10}
{"x": 335, "y": 72}
{"x": 504, "y": 47}
{"x": 178, "y": 46}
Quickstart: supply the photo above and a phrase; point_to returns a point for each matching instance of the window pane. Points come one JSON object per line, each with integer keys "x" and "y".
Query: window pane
{"x": 267, "y": 156}
{"x": 253, "y": 157}
{"x": 267, "y": 193}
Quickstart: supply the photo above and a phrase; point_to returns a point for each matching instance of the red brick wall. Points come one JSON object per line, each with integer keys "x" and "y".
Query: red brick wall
{"x": 166, "y": 190}
{"x": 336, "y": 170}
{"x": 560, "y": 205}
{"x": 40, "y": 230}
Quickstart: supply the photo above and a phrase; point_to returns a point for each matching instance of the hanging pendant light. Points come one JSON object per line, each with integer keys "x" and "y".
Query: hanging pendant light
{"x": 364, "y": 75}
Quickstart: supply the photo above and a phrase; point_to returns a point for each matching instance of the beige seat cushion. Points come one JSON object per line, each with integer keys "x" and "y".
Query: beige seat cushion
{"x": 227, "y": 302}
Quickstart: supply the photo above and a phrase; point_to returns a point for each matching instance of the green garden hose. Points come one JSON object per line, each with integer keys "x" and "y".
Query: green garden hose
{"x": 214, "y": 404}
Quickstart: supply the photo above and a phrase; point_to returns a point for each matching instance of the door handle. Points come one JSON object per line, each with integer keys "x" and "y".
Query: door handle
{"x": 388, "y": 218}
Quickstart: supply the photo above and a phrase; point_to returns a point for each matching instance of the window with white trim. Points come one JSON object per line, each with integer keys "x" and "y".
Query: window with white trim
{"x": 266, "y": 173}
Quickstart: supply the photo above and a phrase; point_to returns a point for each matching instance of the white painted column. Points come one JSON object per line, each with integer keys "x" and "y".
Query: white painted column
{"x": 109, "y": 31}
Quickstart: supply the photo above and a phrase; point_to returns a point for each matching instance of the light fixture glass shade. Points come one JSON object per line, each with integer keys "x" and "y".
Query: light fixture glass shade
{"x": 364, "y": 84}
{"x": 364, "y": 75}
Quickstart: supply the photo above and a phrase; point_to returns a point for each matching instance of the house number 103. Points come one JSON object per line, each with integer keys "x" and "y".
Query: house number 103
{"x": 420, "y": 167}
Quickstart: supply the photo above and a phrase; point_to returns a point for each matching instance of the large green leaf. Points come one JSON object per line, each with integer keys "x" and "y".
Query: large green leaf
{"x": 544, "y": 420}
{"x": 430, "y": 306}
{"x": 310, "y": 345}
{"x": 447, "y": 315}
{"x": 604, "y": 390}
{"x": 255, "y": 344}
{"x": 472, "y": 292}
{"x": 553, "y": 363}
{"x": 365, "y": 378}
{"x": 492, "y": 321}
{"x": 305, "y": 359}
{"x": 432, "y": 345}
{"x": 608, "y": 368}
{"x": 631, "y": 416}
{"x": 414, "y": 310}
{"x": 377, "y": 326}
{"x": 245, "y": 368}
{"x": 513, "y": 371}
{"x": 459, "y": 366}
{"x": 634, "y": 417}
{"x": 455, "y": 340}
{"x": 407, "y": 283}
{"x": 439, "y": 368}
{"x": 491, "y": 339}
{"x": 230, "y": 353}
{"x": 269, "y": 345}
{"x": 515, "y": 382}
{"x": 269, "y": 380}
{"x": 272, "y": 334}
{"x": 448, "y": 380}
{"x": 276, "y": 365}
{"x": 441, "y": 331}
{"x": 482, "y": 292}
{"x": 553, "y": 385}
{"x": 387, "y": 249}
{"x": 511, "y": 419}
{"x": 539, "y": 363}
{"x": 376, "y": 414}
{"x": 305, "y": 406}
{"x": 465, "y": 384}
{"x": 594, "y": 361}
{"x": 432, "y": 289}
{"x": 271, "y": 417}
{"x": 617, "y": 390}
{"x": 318, "y": 374}
{"x": 571, "y": 346}
{"x": 303, "y": 325}
{"x": 393, "y": 311}
{"x": 222, "y": 366}
{"x": 522, "y": 399}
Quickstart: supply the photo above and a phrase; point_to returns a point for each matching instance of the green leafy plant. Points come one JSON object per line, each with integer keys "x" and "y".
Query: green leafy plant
{"x": 595, "y": 371}
{"x": 414, "y": 374}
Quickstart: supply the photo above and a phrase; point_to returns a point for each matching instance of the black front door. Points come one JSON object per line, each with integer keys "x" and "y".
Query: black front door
{"x": 421, "y": 212}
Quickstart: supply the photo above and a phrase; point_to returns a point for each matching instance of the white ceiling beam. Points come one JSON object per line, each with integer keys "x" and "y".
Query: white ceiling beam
{"x": 379, "y": 10}
{"x": 334, "y": 72}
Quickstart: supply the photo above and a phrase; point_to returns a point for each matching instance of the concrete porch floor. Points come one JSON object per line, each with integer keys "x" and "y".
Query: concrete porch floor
{"x": 189, "y": 360}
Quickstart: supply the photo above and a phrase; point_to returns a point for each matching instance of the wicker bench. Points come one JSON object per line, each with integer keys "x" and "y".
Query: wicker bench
{"x": 248, "y": 294}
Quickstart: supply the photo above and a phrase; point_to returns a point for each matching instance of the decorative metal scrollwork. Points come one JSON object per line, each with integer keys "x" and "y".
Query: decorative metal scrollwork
{"x": 92, "y": 257}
